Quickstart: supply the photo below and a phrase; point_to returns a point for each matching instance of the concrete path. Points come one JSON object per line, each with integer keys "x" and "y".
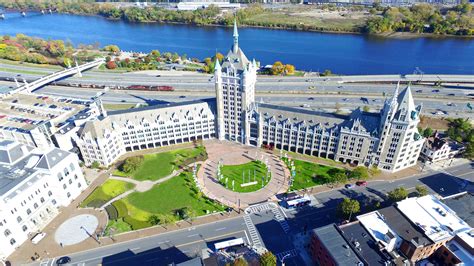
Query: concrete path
{"x": 234, "y": 154}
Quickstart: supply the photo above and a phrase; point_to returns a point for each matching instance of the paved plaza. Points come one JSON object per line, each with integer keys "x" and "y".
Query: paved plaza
{"x": 76, "y": 229}
{"x": 231, "y": 153}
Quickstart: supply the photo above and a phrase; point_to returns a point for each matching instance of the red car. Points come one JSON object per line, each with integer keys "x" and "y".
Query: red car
{"x": 361, "y": 183}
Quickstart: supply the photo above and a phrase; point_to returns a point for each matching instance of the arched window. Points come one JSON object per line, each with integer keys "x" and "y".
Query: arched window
{"x": 24, "y": 228}
{"x": 60, "y": 177}
{"x": 7, "y": 233}
{"x": 28, "y": 211}
{"x": 72, "y": 167}
{"x": 12, "y": 241}
{"x": 18, "y": 219}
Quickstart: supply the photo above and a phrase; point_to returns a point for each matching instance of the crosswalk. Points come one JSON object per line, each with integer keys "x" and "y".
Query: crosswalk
{"x": 281, "y": 219}
{"x": 287, "y": 254}
{"x": 259, "y": 208}
{"x": 277, "y": 213}
{"x": 254, "y": 236}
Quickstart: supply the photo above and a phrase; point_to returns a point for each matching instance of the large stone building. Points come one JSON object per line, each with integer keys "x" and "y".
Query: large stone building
{"x": 388, "y": 139}
{"x": 34, "y": 183}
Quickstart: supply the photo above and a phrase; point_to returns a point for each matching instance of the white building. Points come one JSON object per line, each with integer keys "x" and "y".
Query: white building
{"x": 33, "y": 185}
{"x": 437, "y": 149}
{"x": 111, "y": 135}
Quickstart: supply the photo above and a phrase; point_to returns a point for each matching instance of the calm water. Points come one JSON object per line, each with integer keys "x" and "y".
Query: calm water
{"x": 341, "y": 53}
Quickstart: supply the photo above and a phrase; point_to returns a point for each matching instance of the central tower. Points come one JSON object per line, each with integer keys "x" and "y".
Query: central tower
{"x": 235, "y": 92}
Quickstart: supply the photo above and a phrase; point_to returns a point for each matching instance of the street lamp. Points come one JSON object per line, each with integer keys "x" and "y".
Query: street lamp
{"x": 283, "y": 259}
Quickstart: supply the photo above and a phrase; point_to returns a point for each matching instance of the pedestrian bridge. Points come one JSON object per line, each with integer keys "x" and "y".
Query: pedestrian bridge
{"x": 30, "y": 87}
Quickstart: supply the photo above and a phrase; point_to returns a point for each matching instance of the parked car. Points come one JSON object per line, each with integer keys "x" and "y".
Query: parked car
{"x": 63, "y": 260}
{"x": 361, "y": 183}
{"x": 349, "y": 186}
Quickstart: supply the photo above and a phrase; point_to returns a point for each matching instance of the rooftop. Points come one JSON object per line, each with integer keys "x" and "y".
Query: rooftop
{"x": 402, "y": 226}
{"x": 160, "y": 106}
{"x": 433, "y": 217}
{"x": 463, "y": 205}
{"x": 463, "y": 247}
{"x": 19, "y": 162}
{"x": 365, "y": 246}
{"x": 375, "y": 224}
{"x": 333, "y": 241}
{"x": 24, "y": 112}
{"x": 298, "y": 115}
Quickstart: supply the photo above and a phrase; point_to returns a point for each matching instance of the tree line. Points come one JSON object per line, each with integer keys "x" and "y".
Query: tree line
{"x": 423, "y": 18}
{"x": 419, "y": 18}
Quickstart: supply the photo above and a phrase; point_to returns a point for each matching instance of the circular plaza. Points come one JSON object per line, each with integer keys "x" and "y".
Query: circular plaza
{"x": 76, "y": 229}
{"x": 239, "y": 176}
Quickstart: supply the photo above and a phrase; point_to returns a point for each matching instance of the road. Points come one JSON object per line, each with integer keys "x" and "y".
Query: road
{"x": 180, "y": 245}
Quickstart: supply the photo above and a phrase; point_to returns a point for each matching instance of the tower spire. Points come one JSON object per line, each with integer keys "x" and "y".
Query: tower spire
{"x": 235, "y": 47}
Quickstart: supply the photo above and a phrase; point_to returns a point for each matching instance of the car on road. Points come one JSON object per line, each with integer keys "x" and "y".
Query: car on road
{"x": 361, "y": 183}
{"x": 419, "y": 91}
{"x": 451, "y": 94}
{"x": 63, "y": 260}
{"x": 311, "y": 98}
{"x": 349, "y": 186}
{"x": 345, "y": 99}
{"x": 435, "y": 91}
{"x": 182, "y": 96}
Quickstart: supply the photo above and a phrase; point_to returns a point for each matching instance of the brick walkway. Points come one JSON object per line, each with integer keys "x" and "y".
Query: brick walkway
{"x": 234, "y": 154}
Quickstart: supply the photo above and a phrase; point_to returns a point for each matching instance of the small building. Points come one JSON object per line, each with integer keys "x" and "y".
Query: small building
{"x": 437, "y": 149}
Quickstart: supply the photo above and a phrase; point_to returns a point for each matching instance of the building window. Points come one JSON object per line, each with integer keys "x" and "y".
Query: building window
{"x": 24, "y": 228}
{"x": 35, "y": 205}
{"x": 68, "y": 194}
{"x": 7, "y": 233}
{"x": 12, "y": 241}
{"x": 18, "y": 219}
{"x": 28, "y": 211}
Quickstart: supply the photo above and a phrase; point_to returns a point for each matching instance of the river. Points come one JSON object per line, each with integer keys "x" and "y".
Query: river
{"x": 311, "y": 51}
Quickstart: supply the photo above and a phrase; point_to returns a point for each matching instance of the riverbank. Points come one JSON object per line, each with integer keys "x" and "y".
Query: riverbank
{"x": 378, "y": 21}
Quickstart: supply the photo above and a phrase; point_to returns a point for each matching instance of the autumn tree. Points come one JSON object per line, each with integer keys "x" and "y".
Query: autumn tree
{"x": 277, "y": 68}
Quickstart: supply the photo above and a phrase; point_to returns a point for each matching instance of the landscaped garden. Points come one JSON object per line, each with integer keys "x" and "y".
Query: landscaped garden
{"x": 310, "y": 174}
{"x": 167, "y": 202}
{"x": 156, "y": 166}
{"x": 250, "y": 175}
{"x": 107, "y": 191}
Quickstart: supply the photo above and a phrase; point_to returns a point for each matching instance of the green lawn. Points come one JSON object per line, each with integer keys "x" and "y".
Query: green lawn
{"x": 310, "y": 174}
{"x": 107, "y": 191}
{"x": 234, "y": 173}
{"x": 117, "y": 226}
{"x": 164, "y": 199}
{"x": 158, "y": 165}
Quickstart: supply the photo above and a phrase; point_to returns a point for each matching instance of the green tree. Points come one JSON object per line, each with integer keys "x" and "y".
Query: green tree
{"x": 154, "y": 220}
{"x": 95, "y": 165}
{"x": 398, "y": 194}
{"x": 268, "y": 259}
{"x": 360, "y": 172}
{"x": 131, "y": 164}
{"x": 366, "y": 109}
{"x": 428, "y": 132}
{"x": 348, "y": 207}
{"x": 421, "y": 190}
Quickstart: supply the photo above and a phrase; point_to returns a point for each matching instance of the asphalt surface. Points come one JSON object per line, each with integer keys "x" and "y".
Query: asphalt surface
{"x": 184, "y": 244}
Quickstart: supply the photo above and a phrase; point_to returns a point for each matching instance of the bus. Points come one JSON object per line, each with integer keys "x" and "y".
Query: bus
{"x": 296, "y": 201}
{"x": 229, "y": 243}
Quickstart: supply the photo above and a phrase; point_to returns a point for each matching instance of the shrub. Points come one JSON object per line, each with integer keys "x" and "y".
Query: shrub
{"x": 111, "y": 212}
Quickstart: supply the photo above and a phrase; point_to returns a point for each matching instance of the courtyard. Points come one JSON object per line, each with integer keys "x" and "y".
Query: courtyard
{"x": 237, "y": 159}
